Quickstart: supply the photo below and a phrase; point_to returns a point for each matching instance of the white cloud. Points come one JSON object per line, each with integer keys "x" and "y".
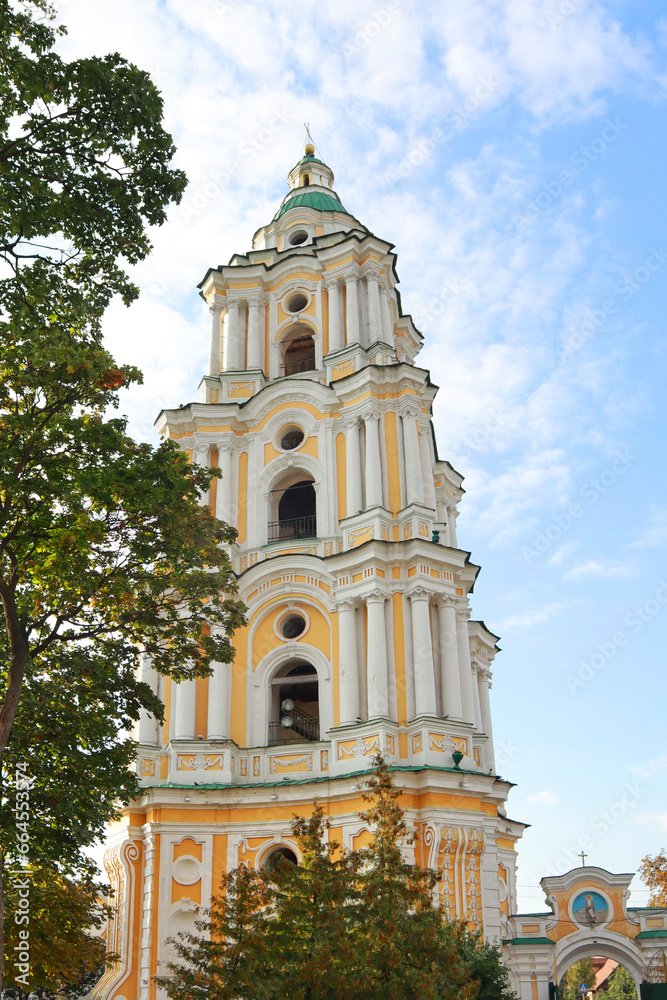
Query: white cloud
{"x": 535, "y": 617}
{"x": 546, "y": 796}
{"x": 599, "y": 569}
{"x": 654, "y": 535}
{"x": 648, "y": 769}
{"x": 658, "y": 820}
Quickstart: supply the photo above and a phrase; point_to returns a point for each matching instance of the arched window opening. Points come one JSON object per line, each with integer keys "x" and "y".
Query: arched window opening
{"x": 297, "y": 517}
{"x": 306, "y": 180}
{"x": 295, "y": 705}
{"x": 299, "y": 356}
{"x": 281, "y": 855}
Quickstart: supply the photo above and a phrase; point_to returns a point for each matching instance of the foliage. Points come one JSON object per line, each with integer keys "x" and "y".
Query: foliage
{"x": 105, "y": 549}
{"x": 582, "y": 971}
{"x": 653, "y": 870}
{"x": 621, "y": 985}
{"x": 63, "y": 918}
{"x": 358, "y": 924}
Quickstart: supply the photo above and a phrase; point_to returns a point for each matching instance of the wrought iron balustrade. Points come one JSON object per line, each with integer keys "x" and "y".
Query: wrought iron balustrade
{"x": 293, "y": 527}
{"x": 304, "y": 727}
{"x": 293, "y": 367}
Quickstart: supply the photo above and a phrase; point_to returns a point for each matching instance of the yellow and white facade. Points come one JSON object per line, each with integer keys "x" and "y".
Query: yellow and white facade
{"x": 359, "y": 634}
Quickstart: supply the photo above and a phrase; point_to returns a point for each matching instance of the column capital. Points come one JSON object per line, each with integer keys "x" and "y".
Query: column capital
{"x": 233, "y": 303}
{"x": 372, "y": 272}
{"x": 215, "y": 307}
{"x": 376, "y": 597}
{"x": 350, "y": 276}
{"x": 255, "y": 301}
{"x": 463, "y": 612}
{"x": 350, "y": 422}
{"x": 330, "y": 283}
{"x": 420, "y": 594}
{"x": 446, "y": 602}
{"x": 346, "y": 605}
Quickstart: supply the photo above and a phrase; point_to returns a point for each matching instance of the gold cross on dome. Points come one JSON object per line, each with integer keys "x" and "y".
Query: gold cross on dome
{"x": 583, "y": 859}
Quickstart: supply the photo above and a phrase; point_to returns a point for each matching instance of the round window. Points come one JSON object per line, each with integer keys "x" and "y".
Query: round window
{"x": 291, "y": 438}
{"x": 281, "y": 855}
{"x": 297, "y": 303}
{"x": 292, "y": 626}
{"x": 297, "y": 238}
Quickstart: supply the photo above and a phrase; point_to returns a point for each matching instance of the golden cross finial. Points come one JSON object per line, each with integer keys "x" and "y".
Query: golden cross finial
{"x": 583, "y": 859}
{"x": 309, "y": 137}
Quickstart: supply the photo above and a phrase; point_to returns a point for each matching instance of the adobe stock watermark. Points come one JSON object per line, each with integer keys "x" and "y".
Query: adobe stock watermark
{"x": 553, "y": 190}
{"x": 21, "y": 959}
{"x": 558, "y": 14}
{"x": 478, "y": 439}
{"x": 605, "y": 652}
{"x": 379, "y": 20}
{"x": 591, "y": 491}
{"x": 599, "y": 826}
{"x": 249, "y": 150}
{"x": 456, "y": 118}
{"x": 596, "y": 319}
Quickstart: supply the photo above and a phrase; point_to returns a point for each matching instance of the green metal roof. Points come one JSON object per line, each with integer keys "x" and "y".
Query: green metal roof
{"x": 319, "y": 200}
{"x": 652, "y": 934}
{"x": 532, "y": 940}
{"x": 310, "y": 158}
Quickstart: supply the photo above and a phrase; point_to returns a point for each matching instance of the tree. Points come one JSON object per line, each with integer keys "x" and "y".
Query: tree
{"x": 621, "y": 985}
{"x": 653, "y": 870}
{"x": 105, "y": 549}
{"x": 582, "y": 971}
{"x": 358, "y": 924}
{"x": 63, "y": 948}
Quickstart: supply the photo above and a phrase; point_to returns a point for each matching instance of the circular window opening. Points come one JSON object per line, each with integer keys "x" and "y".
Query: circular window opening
{"x": 297, "y": 238}
{"x": 282, "y": 855}
{"x": 291, "y": 438}
{"x": 292, "y": 626}
{"x": 297, "y": 303}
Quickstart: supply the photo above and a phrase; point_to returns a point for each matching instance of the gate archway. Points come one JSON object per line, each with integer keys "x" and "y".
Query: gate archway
{"x": 588, "y": 916}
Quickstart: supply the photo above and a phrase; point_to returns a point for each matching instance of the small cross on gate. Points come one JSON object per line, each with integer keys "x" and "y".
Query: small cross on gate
{"x": 583, "y": 859}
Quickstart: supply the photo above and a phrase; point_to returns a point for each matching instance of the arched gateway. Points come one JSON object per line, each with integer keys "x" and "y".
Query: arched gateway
{"x": 588, "y": 916}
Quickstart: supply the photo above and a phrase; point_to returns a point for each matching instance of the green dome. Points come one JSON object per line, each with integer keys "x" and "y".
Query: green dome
{"x": 319, "y": 200}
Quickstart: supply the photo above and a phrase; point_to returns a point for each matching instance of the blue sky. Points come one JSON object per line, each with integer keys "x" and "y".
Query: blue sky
{"x": 514, "y": 152}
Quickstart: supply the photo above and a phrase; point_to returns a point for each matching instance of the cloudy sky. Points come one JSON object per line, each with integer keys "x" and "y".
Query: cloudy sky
{"x": 514, "y": 152}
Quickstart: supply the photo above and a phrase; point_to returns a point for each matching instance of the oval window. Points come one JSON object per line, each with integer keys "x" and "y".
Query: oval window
{"x": 292, "y": 626}
{"x": 297, "y": 303}
{"x": 291, "y": 438}
{"x": 297, "y": 238}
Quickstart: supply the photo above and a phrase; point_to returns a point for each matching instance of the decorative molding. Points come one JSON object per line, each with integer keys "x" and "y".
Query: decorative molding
{"x": 363, "y": 746}
{"x": 291, "y": 762}
{"x": 200, "y": 762}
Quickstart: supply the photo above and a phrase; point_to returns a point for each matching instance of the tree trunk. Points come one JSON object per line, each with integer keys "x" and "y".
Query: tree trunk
{"x": 19, "y": 657}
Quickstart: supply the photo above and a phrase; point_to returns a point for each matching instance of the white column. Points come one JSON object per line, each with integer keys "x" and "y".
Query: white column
{"x": 200, "y": 457}
{"x": 465, "y": 669}
{"x": 147, "y": 733}
{"x": 352, "y": 309}
{"x": 234, "y": 357}
{"x": 254, "y": 346}
{"x": 475, "y": 697}
{"x": 353, "y": 468}
{"x": 452, "y": 514}
{"x": 216, "y": 330}
{"x": 219, "y": 702}
{"x": 348, "y": 666}
{"x": 376, "y": 657}
{"x": 186, "y": 699}
{"x": 450, "y": 681}
{"x": 223, "y": 506}
{"x": 413, "y": 465}
{"x": 427, "y": 467}
{"x": 387, "y": 320}
{"x": 373, "y": 463}
{"x": 422, "y": 653}
{"x": 336, "y": 338}
{"x": 484, "y": 681}
{"x": 374, "y": 314}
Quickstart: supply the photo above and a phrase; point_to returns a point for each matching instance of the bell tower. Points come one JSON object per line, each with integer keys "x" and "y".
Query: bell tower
{"x": 359, "y": 634}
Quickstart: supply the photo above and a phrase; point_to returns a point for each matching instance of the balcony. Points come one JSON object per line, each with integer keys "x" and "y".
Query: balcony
{"x": 293, "y": 527}
{"x": 294, "y": 367}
